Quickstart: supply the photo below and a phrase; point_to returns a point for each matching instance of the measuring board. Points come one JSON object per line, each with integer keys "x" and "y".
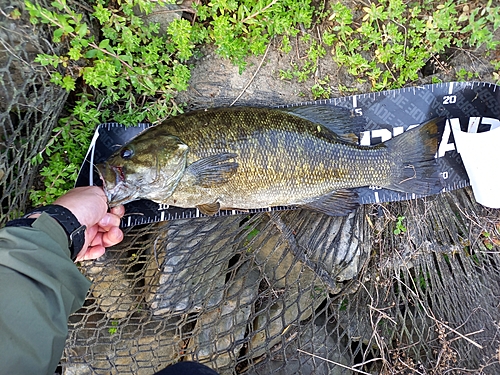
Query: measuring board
{"x": 383, "y": 115}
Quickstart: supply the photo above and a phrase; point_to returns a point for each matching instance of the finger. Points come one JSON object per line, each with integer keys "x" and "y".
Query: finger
{"x": 88, "y": 204}
{"x": 118, "y": 211}
{"x": 111, "y": 238}
{"x": 108, "y": 221}
{"x": 90, "y": 234}
{"x": 97, "y": 239}
{"x": 93, "y": 252}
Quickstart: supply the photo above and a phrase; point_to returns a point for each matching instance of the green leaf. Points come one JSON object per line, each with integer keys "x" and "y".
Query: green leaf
{"x": 56, "y": 78}
{"x": 82, "y": 30}
{"x": 45, "y": 60}
{"x": 58, "y": 4}
{"x": 75, "y": 53}
{"x": 90, "y": 54}
{"x": 101, "y": 13}
{"x": 68, "y": 83}
{"x": 104, "y": 43}
{"x": 58, "y": 33}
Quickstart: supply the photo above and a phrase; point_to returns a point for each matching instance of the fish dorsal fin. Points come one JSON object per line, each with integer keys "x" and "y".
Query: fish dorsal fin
{"x": 209, "y": 209}
{"x": 338, "y": 203}
{"x": 213, "y": 170}
{"x": 339, "y": 120}
{"x": 350, "y": 137}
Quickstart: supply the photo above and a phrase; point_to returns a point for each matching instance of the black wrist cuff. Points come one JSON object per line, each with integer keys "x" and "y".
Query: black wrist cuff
{"x": 68, "y": 221}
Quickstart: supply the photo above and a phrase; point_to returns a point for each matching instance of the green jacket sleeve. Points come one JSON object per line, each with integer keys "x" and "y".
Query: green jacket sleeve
{"x": 39, "y": 288}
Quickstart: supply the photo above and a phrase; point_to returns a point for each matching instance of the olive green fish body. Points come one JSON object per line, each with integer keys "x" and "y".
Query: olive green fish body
{"x": 282, "y": 159}
{"x": 242, "y": 158}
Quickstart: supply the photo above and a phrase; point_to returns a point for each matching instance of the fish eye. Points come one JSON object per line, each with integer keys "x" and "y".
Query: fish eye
{"x": 127, "y": 153}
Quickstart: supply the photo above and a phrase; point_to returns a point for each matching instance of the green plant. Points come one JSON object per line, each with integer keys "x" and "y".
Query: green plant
{"x": 65, "y": 151}
{"x": 496, "y": 68}
{"x": 490, "y": 240}
{"x": 249, "y": 237}
{"x": 308, "y": 66}
{"x": 423, "y": 280}
{"x": 322, "y": 89}
{"x": 318, "y": 292}
{"x": 114, "y": 327}
{"x": 400, "y": 228}
{"x": 127, "y": 72}
{"x": 130, "y": 75}
{"x": 344, "y": 304}
{"x": 245, "y": 27}
{"x": 131, "y": 63}
{"x": 392, "y": 40}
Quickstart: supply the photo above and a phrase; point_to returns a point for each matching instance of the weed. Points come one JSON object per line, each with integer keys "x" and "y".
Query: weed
{"x": 489, "y": 240}
{"x": 114, "y": 327}
{"x": 344, "y": 304}
{"x": 322, "y": 89}
{"x": 131, "y": 64}
{"x": 400, "y": 228}
{"x": 242, "y": 28}
{"x": 318, "y": 292}
{"x": 65, "y": 151}
{"x": 392, "y": 40}
{"x": 423, "y": 281}
{"x": 128, "y": 72}
{"x": 252, "y": 234}
{"x": 446, "y": 258}
{"x": 496, "y": 68}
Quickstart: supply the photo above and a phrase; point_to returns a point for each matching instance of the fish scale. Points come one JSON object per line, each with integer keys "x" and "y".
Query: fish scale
{"x": 275, "y": 158}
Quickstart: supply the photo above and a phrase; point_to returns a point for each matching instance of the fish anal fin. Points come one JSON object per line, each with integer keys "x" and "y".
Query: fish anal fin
{"x": 209, "y": 209}
{"x": 213, "y": 170}
{"x": 338, "y": 203}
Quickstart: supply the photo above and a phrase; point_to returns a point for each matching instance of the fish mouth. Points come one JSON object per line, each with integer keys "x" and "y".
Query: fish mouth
{"x": 119, "y": 175}
{"x": 115, "y": 188}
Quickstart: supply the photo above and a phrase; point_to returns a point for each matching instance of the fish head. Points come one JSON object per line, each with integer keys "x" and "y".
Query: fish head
{"x": 149, "y": 167}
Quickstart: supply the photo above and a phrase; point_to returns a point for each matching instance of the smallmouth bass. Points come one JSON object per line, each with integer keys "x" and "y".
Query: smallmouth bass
{"x": 245, "y": 157}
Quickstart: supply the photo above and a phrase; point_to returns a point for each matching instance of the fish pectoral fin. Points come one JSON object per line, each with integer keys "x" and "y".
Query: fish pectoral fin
{"x": 213, "y": 170}
{"x": 338, "y": 203}
{"x": 209, "y": 209}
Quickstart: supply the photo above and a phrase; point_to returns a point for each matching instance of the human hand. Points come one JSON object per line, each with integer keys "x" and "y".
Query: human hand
{"x": 89, "y": 205}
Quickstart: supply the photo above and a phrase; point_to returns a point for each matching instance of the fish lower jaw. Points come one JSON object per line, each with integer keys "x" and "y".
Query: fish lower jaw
{"x": 120, "y": 194}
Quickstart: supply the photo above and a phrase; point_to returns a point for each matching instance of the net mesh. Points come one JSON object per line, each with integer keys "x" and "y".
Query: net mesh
{"x": 298, "y": 292}
{"x": 29, "y": 106}
{"x": 293, "y": 292}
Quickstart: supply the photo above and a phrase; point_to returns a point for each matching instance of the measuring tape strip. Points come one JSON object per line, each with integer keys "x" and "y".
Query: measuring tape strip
{"x": 475, "y": 106}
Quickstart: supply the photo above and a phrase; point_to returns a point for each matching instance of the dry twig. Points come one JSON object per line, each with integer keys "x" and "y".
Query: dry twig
{"x": 340, "y": 364}
{"x": 253, "y": 77}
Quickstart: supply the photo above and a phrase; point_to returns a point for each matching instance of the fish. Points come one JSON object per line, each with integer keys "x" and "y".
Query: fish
{"x": 243, "y": 158}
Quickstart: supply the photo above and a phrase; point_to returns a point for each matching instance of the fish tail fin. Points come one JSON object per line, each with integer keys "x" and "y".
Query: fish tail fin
{"x": 416, "y": 149}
